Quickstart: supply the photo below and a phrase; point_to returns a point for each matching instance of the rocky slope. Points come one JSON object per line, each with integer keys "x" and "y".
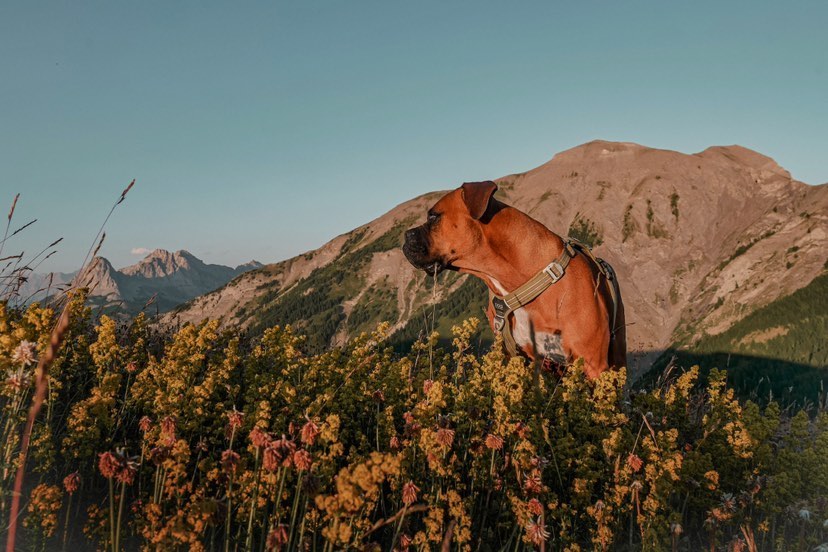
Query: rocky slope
{"x": 699, "y": 241}
{"x": 169, "y": 279}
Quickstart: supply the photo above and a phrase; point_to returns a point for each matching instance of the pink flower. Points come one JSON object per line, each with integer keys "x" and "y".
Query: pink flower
{"x": 302, "y": 460}
{"x": 286, "y": 448}
{"x": 309, "y": 433}
{"x": 168, "y": 430}
{"x": 427, "y": 384}
{"x": 536, "y": 531}
{"x": 532, "y": 483}
{"x": 145, "y": 424}
{"x": 277, "y": 538}
{"x": 258, "y": 437}
{"x": 535, "y": 506}
{"x": 494, "y": 442}
{"x": 229, "y": 461}
{"x": 71, "y": 482}
{"x": 445, "y": 437}
{"x": 409, "y": 493}
{"x": 634, "y": 462}
{"x": 24, "y": 353}
{"x": 235, "y": 419}
{"x": 109, "y": 465}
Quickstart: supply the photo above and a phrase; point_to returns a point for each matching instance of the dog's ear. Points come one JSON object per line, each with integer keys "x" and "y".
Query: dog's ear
{"x": 477, "y": 196}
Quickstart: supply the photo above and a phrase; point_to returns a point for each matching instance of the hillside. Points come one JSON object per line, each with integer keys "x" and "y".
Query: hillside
{"x": 699, "y": 242}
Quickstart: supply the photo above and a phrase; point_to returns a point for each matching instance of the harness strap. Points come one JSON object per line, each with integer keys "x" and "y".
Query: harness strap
{"x": 540, "y": 282}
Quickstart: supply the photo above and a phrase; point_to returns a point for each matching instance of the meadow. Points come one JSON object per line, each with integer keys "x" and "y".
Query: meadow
{"x": 198, "y": 438}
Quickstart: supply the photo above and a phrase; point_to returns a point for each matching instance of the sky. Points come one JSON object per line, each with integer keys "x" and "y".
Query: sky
{"x": 262, "y": 130}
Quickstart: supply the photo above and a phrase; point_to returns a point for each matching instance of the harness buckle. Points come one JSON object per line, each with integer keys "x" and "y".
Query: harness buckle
{"x": 554, "y": 270}
{"x": 501, "y": 310}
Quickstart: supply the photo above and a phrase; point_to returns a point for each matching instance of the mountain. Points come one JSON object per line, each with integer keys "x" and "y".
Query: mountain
{"x": 699, "y": 241}
{"x": 171, "y": 278}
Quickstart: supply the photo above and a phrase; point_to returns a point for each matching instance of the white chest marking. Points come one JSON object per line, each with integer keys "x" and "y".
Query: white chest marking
{"x": 546, "y": 344}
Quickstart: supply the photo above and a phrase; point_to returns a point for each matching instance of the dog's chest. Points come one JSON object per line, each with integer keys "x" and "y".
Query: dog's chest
{"x": 546, "y": 344}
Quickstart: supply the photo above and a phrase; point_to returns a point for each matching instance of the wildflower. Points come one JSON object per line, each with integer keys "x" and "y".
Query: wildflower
{"x": 145, "y": 424}
{"x": 159, "y": 454}
{"x": 109, "y": 465}
{"x": 536, "y": 531}
{"x": 43, "y": 508}
{"x": 127, "y": 473}
{"x": 804, "y": 514}
{"x": 229, "y": 461}
{"x": 378, "y": 396}
{"x": 258, "y": 437}
{"x": 676, "y": 529}
{"x": 427, "y": 384}
{"x": 71, "y": 482}
{"x": 535, "y": 506}
{"x": 117, "y": 466}
{"x": 302, "y": 460}
{"x": 494, "y": 442}
{"x": 634, "y": 462}
{"x": 712, "y": 477}
{"x": 286, "y": 448}
{"x": 394, "y": 443}
{"x": 131, "y": 367}
{"x": 522, "y": 430}
{"x": 24, "y": 353}
{"x": 272, "y": 457}
{"x": 277, "y": 537}
{"x": 235, "y": 419}
{"x": 532, "y": 483}
{"x": 405, "y": 542}
{"x": 410, "y": 493}
{"x": 16, "y": 380}
{"x": 168, "y": 430}
{"x": 445, "y": 437}
{"x": 728, "y": 502}
{"x": 408, "y": 417}
{"x": 309, "y": 432}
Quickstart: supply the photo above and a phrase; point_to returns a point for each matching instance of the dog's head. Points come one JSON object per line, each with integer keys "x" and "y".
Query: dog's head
{"x": 453, "y": 228}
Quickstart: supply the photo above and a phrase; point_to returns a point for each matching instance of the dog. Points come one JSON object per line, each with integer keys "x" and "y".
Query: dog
{"x": 578, "y": 313}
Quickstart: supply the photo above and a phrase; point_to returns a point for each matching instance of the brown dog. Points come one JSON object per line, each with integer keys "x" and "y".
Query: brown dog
{"x": 470, "y": 231}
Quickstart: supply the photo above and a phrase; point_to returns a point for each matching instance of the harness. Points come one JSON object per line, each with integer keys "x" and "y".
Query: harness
{"x": 540, "y": 282}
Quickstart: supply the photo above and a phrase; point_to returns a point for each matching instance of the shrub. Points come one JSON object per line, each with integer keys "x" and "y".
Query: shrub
{"x": 204, "y": 438}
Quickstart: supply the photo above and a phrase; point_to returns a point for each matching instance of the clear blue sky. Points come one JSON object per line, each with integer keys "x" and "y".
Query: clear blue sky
{"x": 261, "y": 130}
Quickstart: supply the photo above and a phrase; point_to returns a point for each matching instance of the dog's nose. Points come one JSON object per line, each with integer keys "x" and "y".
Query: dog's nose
{"x": 411, "y": 235}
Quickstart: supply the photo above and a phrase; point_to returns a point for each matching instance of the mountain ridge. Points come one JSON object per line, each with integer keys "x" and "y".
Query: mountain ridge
{"x": 167, "y": 278}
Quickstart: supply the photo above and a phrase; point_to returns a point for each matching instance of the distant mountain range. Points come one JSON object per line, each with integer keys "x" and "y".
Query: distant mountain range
{"x": 168, "y": 279}
{"x": 699, "y": 243}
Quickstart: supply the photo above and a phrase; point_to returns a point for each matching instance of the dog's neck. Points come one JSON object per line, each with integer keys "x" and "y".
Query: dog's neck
{"x": 507, "y": 259}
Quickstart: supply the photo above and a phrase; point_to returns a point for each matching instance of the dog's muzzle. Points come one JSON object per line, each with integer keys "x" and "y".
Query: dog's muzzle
{"x": 416, "y": 250}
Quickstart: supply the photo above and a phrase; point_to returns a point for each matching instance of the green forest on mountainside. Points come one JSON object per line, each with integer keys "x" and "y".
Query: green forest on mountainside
{"x": 315, "y": 304}
{"x": 779, "y": 350}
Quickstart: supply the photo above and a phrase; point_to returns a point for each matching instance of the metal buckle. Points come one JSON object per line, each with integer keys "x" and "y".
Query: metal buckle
{"x": 501, "y": 309}
{"x": 554, "y": 270}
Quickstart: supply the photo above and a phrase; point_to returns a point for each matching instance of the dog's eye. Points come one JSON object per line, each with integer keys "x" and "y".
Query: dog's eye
{"x": 433, "y": 217}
